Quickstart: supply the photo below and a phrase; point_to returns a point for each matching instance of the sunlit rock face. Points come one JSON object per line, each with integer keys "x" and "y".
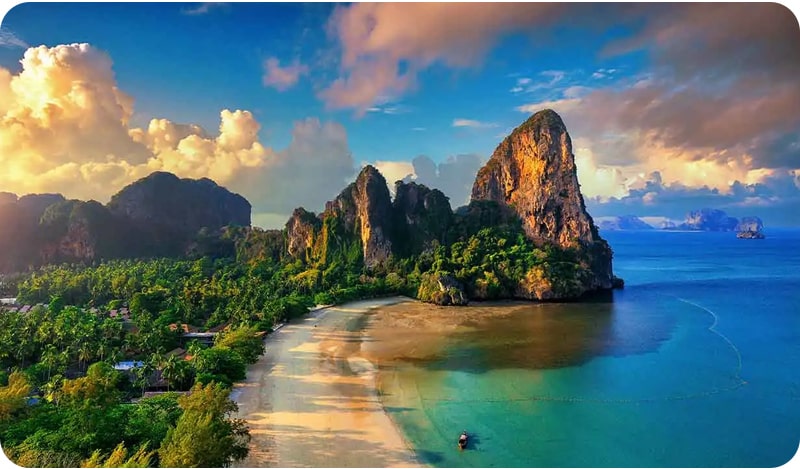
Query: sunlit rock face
{"x": 533, "y": 172}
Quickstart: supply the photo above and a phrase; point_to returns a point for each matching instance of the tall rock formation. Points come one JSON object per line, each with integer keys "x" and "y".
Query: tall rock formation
{"x": 364, "y": 215}
{"x": 78, "y": 231}
{"x": 20, "y": 236}
{"x": 365, "y": 208}
{"x": 533, "y": 172}
{"x": 166, "y": 212}
{"x": 301, "y": 231}
{"x": 159, "y": 215}
{"x": 422, "y": 216}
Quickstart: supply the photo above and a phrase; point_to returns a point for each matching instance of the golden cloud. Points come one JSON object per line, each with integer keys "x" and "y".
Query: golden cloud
{"x": 64, "y": 128}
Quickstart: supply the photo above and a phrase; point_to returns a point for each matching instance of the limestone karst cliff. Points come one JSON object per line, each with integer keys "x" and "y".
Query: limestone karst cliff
{"x": 365, "y": 208}
{"x": 533, "y": 172}
{"x": 160, "y": 215}
{"x": 527, "y": 198}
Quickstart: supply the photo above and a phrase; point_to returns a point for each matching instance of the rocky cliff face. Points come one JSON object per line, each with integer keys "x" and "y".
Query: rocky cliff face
{"x": 365, "y": 208}
{"x": 533, "y": 172}
{"x": 364, "y": 213}
{"x": 75, "y": 231}
{"x": 301, "y": 231}
{"x": 155, "y": 216}
{"x": 165, "y": 212}
{"x": 20, "y": 237}
{"x": 422, "y": 216}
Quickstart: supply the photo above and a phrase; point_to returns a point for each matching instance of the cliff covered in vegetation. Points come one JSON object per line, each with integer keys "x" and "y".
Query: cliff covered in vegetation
{"x": 159, "y": 215}
{"x": 525, "y": 234}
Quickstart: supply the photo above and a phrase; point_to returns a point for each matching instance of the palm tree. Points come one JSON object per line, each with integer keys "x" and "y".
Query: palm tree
{"x": 169, "y": 370}
{"x": 142, "y": 373}
{"x": 50, "y": 358}
{"x": 84, "y": 354}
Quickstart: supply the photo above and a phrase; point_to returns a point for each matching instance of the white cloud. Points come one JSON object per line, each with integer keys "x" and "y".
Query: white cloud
{"x": 390, "y": 109}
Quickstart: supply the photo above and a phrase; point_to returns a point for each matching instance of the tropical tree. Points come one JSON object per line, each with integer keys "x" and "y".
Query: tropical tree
{"x": 205, "y": 434}
{"x": 119, "y": 458}
{"x": 246, "y": 341}
{"x": 14, "y": 395}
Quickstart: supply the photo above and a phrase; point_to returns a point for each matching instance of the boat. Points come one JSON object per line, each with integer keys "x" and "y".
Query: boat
{"x": 462, "y": 440}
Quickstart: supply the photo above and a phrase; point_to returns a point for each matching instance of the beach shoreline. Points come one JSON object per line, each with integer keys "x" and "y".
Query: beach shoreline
{"x": 312, "y": 400}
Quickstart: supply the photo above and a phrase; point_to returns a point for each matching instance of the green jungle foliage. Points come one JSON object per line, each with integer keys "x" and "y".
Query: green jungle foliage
{"x": 62, "y": 403}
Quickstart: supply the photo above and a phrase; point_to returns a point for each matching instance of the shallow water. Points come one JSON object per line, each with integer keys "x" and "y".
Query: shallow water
{"x": 693, "y": 364}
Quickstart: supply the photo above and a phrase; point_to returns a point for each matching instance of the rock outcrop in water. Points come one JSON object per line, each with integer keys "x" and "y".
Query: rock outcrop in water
{"x": 750, "y": 228}
{"x": 533, "y": 172}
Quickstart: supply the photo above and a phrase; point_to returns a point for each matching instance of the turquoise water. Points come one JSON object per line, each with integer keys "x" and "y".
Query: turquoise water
{"x": 694, "y": 363}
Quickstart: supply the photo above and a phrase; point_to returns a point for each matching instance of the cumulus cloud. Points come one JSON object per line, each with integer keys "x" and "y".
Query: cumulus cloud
{"x": 315, "y": 166}
{"x": 282, "y": 78}
{"x": 64, "y": 127}
{"x": 385, "y": 45}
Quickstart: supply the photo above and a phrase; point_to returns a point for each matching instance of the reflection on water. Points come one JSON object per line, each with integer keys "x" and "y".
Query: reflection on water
{"x": 490, "y": 336}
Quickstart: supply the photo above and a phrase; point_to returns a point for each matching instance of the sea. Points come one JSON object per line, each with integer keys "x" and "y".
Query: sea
{"x": 695, "y": 363}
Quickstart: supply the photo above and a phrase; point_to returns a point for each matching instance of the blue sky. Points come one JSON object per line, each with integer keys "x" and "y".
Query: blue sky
{"x": 447, "y": 82}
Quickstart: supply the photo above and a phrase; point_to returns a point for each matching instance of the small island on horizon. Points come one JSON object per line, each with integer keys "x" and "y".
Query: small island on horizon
{"x": 706, "y": 219}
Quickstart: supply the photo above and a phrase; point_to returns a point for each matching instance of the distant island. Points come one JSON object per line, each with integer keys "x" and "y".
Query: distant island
{"x": 708, "y": 219}
{"x": 750, "y": 228}
{"x": 705, "y": 219}
{"x": 624, "y": 223}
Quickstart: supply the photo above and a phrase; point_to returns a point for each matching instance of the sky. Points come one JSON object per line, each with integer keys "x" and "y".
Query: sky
{"x": 670, "y": 107}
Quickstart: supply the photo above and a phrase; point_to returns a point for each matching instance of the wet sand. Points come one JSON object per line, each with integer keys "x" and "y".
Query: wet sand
{"x": 311, "y": 400}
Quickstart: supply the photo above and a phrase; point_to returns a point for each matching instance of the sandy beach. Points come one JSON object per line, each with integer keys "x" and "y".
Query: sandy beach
{"x": 311, "y": 400}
